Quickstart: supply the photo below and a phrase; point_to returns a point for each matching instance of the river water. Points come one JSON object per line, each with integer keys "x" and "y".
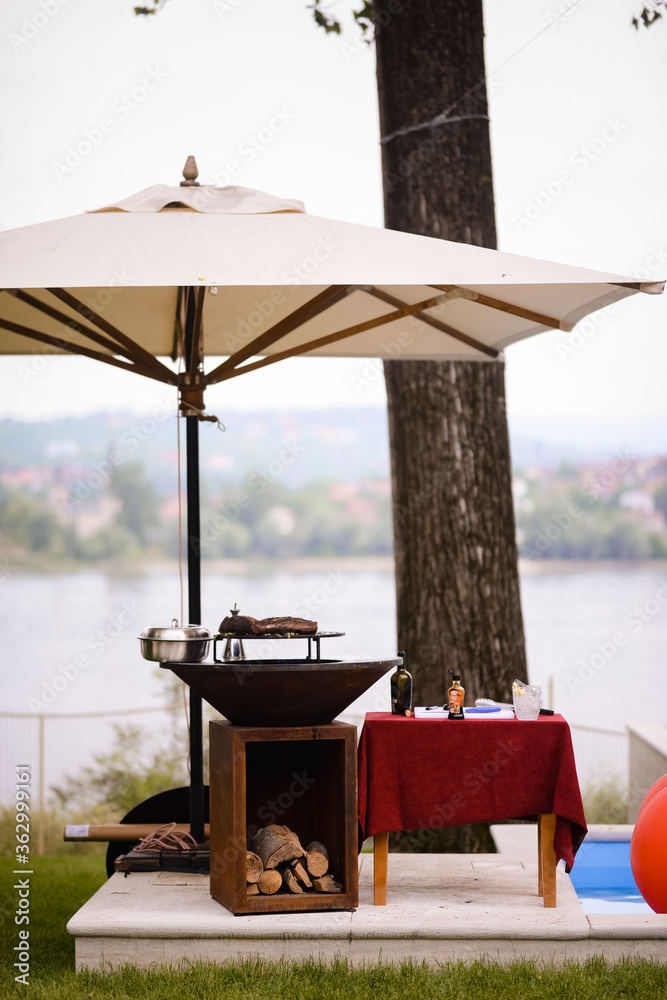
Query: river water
{"x": 599, "y": 633}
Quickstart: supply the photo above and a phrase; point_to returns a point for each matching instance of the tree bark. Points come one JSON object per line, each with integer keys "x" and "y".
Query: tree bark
{"x": 456, "y": 562}
{"x": 457, "y": 585}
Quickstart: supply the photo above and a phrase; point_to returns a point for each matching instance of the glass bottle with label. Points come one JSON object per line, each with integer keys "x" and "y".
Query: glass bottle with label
{"x": 456, "y": 695}
{"x": 401, "y": 690}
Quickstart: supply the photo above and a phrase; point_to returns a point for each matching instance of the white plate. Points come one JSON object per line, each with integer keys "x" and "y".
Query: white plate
{"x": 424, "y": 713}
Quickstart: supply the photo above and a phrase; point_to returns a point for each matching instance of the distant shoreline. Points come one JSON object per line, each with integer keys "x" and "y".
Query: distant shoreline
{"x": 319, "y": 564}
{"x": 536, "y": 567}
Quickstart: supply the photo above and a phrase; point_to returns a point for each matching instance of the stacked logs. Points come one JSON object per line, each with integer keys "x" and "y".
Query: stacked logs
{"x": 278, "y": 861}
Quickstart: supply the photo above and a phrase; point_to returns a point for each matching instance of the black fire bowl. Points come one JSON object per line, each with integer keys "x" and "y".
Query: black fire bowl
{"x": 281, "y": 692}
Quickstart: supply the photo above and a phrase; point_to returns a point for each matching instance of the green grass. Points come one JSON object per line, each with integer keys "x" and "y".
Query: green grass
{"x": 257, "y": 980}
{"x": 60, "y": 886}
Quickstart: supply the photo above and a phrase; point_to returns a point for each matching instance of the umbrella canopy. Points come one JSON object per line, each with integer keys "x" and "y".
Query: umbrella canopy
{"x": 117, "y": 284}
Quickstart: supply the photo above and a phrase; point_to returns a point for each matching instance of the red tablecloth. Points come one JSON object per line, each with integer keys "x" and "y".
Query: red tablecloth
{"x": 427, "y": 773}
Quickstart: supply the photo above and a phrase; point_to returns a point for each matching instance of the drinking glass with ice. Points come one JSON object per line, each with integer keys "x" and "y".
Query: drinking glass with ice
{"x": 527, "y": 699}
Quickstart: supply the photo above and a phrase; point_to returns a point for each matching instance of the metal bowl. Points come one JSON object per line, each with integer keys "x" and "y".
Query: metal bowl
{"x": 176, "y": 643}
{"x": 281, "y": 692}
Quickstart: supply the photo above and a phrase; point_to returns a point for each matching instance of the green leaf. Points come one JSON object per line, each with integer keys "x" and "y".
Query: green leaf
{"x": 322, "y": 20}
{"x": 365, "y": 19}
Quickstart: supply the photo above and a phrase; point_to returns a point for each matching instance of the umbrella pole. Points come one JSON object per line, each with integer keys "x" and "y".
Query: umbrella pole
{"x": 194, "y": 611}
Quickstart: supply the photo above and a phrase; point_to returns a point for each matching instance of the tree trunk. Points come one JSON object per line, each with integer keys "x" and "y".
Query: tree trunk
{"x": 457, "y": 583}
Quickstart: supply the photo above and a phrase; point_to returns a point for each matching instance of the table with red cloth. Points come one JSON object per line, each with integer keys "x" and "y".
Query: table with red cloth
{"x": 428, "y": 773}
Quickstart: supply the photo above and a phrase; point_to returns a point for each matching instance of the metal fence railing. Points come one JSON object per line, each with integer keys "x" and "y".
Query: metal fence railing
{"x": 56, "y": 745}
{"x": 600, "y": 754}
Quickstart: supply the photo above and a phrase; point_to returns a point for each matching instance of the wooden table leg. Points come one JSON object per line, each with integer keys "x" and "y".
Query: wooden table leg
{"x": 380, "y": 859}
{"x": 540, "y": 884}
{"x": 547, "y": 858}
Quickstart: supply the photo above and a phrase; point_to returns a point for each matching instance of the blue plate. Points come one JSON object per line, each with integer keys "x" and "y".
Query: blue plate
{"x": 480, "y": 711}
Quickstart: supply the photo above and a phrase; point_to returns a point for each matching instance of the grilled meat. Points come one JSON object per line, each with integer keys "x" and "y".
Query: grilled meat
{"x": 237, "y": 625}
{"x": 273, "y": 626}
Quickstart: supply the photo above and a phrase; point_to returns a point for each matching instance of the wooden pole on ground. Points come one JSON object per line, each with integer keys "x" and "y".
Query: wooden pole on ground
{"x": 122, "y": 831}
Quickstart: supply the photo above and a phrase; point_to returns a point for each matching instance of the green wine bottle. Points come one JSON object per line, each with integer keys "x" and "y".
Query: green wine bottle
{"x": 401, "y": 690}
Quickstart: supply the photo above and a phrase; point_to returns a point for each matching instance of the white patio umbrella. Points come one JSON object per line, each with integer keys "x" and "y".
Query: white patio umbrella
{"x": 283, "y": 283}
{"x": 196, "y": 271}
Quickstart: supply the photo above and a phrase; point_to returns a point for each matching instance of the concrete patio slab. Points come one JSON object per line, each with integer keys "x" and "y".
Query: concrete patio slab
{"x": 440, "y": 908}
{"x": 517, "y": 839}
{"x": 637, "y": 926}
{"x": 451, "y": 896}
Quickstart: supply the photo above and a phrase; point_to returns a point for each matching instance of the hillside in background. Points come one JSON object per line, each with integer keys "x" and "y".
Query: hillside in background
{"x": 339, "y": 443}
{"x": 328, "y": 444}
{"x": 285, "y": 485}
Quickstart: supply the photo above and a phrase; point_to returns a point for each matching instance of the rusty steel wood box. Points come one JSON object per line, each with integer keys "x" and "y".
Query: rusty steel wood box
{"x": 302, "y": 777}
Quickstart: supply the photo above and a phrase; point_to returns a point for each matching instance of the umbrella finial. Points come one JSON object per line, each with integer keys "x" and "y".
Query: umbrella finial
{"x": 190, "y": 172}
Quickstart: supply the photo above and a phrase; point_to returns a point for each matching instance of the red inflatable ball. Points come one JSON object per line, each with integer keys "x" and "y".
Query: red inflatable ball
{"x": 648, "y": 852}
{"x": 652, "y": 792}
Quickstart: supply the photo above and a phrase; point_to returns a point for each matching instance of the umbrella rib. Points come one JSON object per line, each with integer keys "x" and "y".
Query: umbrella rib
{"x": 502, "y": 306}
{"x": 137, "y": 352}
{"x": 70, "y": 323}
{"x": 331, "y": 338}
{"x": 67, "y": 345}
{"x": 318, "y": 304}
{"x": 437, "y": 324}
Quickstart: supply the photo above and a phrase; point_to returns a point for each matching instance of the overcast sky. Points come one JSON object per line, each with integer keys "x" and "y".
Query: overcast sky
{"x": 578, "y": 136}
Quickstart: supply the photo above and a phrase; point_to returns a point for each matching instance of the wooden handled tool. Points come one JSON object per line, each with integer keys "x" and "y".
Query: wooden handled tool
{"x": 121, "y": 831}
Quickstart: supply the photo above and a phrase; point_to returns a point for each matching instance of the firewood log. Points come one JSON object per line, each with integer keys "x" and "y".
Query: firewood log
{"x": 317, "y": 859}
{"x": 300, "y": 873}
{"x": 269, "y": 881}
{"x": 253, "y": 866}
{"x": 252, "y": 889}
{"x": 283, "y": 831}
{"x": 290, "y": 880}
{"x": 326, "y": 884}
{"x": 274, "y": 847}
